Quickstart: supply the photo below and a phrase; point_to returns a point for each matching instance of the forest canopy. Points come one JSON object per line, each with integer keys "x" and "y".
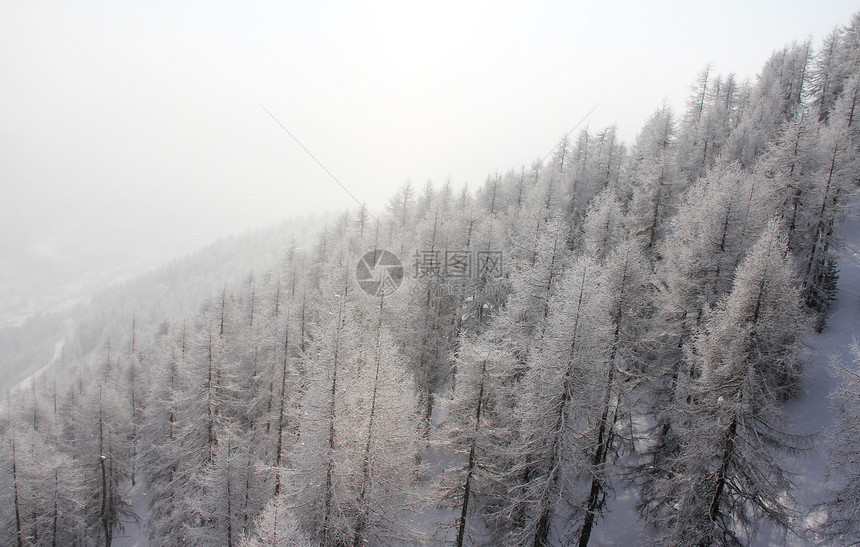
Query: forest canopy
{"x": 618, "y": 316}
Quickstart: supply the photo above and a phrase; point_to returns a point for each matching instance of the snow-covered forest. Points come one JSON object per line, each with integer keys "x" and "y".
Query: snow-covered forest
{"x": 615, "y": 327}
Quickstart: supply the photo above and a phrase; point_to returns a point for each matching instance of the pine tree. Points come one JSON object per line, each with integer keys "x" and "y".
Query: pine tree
{"x": 474, "y": 426}
{"x": 552, "y": 464}
{"x": 105, "y": 457}
{"x": 792, "y": 162}
{"x": 276, "y": 526}
{"x": 595, "y": 163}
{"x": 825, "y": 78}
{"x": 837, "y": 61}
{"x": 834, "y": 185}
{"x": 626, "y": 281}
{"x": 42, "y": 492}
{"x": 653, "y": 178}
{"x": 165, "y": 464}
{"x": 603, "y": 226}
{"x": 719, "y": 218}
{"x": 841, "y": 505}
{"x": 432, "y": 319}
{"x": 778, "y": 96}
{"x": 215, "y": 508}
{"x": 355, "y": 462}
{"x": 727, "y": 476}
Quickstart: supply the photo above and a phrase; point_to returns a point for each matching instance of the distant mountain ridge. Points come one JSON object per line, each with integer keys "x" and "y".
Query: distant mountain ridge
{"x": 183, "y": 283}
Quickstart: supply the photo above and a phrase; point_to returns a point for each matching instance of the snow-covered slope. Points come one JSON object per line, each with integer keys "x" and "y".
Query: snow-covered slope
{"x": 171, "y": 291}
{"x": 811, "y": 413}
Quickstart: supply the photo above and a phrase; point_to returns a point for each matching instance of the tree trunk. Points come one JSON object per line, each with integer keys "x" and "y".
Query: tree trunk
{"x": 604, "y": 430}
{"x": 361, "y": 523}
{"x": 467, "y": 487}
{"x": 546, "y": 508}
{"x": 598, "y": 461}
{"x": 714, "y": 509}
{"x": 279, "y": 446}
{"x": 328, "y": 494}
{"x": 19, "y": 534}
{"x": 106, "y": 521}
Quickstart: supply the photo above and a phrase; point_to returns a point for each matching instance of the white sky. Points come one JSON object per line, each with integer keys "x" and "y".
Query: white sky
{"x": 136, "y": 127}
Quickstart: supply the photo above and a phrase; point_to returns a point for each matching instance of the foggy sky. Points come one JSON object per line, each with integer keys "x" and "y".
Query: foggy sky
{"x": 131, "y": 132}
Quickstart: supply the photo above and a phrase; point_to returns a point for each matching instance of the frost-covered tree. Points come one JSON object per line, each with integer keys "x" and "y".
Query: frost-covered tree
{"x": 837, "y": 61}
{"x": 276, "y": 526}
{"x": 792, "y": 161}
{"x": 387, "y": 444}
{"x": 727, "y": 475}
{"x": 42, "y": 492}
{"x": 534, "y": 280}
{"x": 195, "y": 434}
{"x": 553, "y": 408}
{"x": 352, "y": 471}
{"x": 653, "y": 179}
{"x": 430, "y": 323}
{"x": 99, "y": 433}
{"x": 841, "y": 504}
{"x": 475, "y": 426}
{"x": 163, "y": 434}
{"x": 777, "y": 96}
{"x": 603, "y": 226}
{"x": 834, "y": 185}
{"x": 713, "y": 110}
{"x": 105, "y": 456}
{"x": 401, "y": 210}
{"x": 825, "y": 77}
{"x": 718, "y": 219}
{"x": 626, "y": 280}
{"x": 217, "y": 508}
{"x": 573, "y": 396}
{"x": 594, "y": 163}
{"x": 485, "y": 292}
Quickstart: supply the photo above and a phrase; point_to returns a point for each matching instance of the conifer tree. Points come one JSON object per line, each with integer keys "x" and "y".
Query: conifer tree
{"x": 653, "y": 177}
{"x": 474, "y": 426}
{"x": 835, "y": 183}
{"x": 841, "y": 504}
{"x": 726, "y": 475}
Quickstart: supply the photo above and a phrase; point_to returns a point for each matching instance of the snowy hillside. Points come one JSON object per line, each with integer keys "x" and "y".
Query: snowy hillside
{"x": 174, "y": 289}
{"x": 812, "y": 411}
{"x": 614, "y": 345}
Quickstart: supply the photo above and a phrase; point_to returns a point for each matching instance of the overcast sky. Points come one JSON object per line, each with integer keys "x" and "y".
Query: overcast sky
{"x": 132, "y": 130}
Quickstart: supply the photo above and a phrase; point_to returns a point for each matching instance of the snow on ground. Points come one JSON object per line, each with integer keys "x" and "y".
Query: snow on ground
{"x": 134, "y": 533}
{"x": 811, "y": 413}
{"x": 26, "y": 384}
